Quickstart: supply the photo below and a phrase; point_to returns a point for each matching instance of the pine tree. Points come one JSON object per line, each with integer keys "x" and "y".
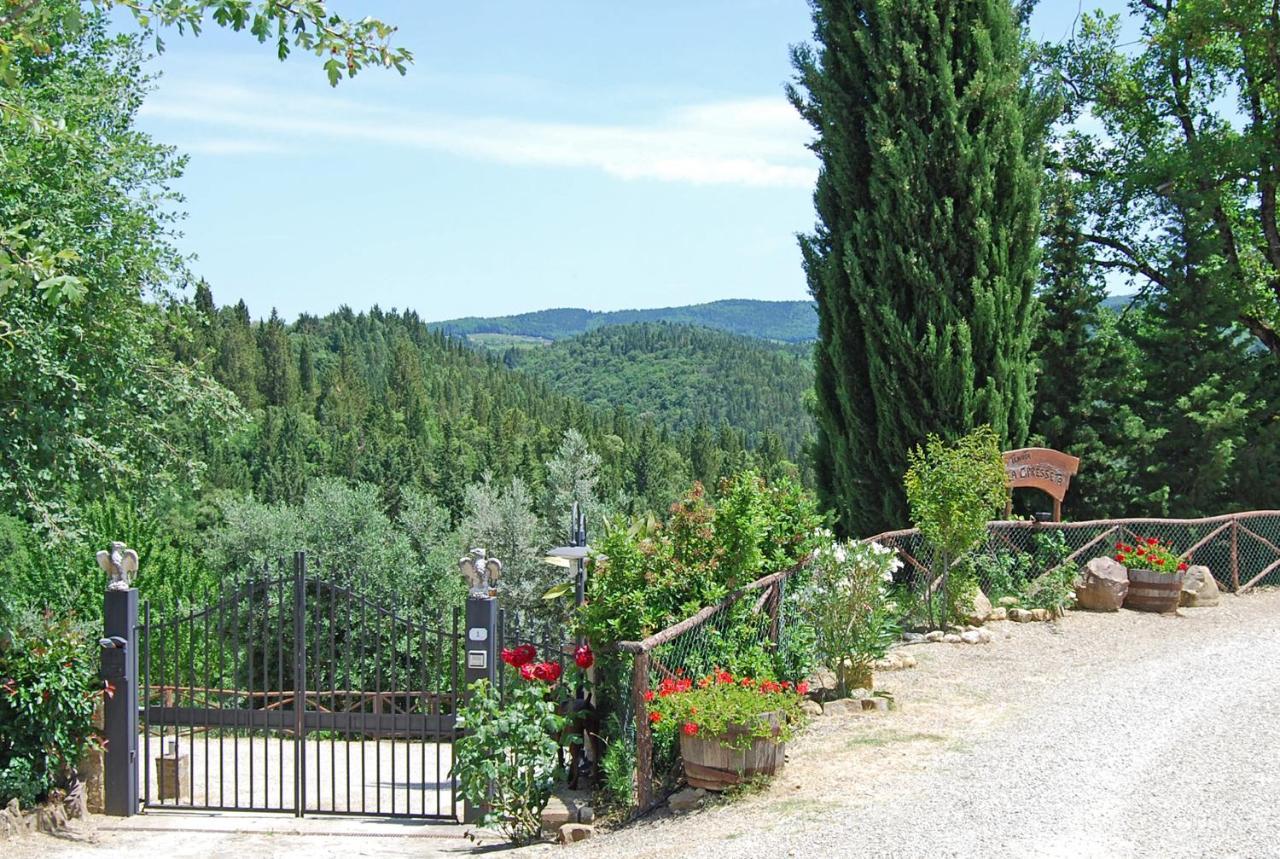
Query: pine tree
{"x": 924, "y": 257}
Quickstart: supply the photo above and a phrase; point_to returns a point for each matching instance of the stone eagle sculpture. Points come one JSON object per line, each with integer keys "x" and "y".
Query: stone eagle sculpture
{"x": 480, "y": 572}
{"x": 118, "y": 563}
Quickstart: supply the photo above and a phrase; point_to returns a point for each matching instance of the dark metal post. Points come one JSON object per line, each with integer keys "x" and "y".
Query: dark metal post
{"x": 299, "y": 683}
{"x": 120, "y": 669}
{"x": 482, "y": 639}
{"x": 481, "y": 645}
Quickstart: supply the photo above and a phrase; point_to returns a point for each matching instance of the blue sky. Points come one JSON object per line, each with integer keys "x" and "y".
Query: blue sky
{"x": 589, "y": 154}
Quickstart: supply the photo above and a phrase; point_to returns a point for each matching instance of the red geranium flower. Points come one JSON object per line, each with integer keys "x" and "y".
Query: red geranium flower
{"x": 584, "y": 657}
{"x": 724, "y": 677}
{"x": 690, "y": 729}
{"x": 1120, "y": 558}
{"x": 802, "y": 688}
{"x": 1182, "y": 566}
{"x": 648, "y": 695}
{"x": 655, "y": 717}
{"x": 748, "y": 682}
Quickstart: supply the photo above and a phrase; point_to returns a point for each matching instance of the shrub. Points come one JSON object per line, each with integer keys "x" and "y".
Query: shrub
{"x": 847, "y": 604}
{"x": 508, "y": 757}
{"x": 48, "y": 692}
{"x": 953, "y": 490}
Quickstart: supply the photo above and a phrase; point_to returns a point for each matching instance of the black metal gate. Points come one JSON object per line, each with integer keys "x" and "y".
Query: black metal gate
{"x": 294, "y": 693}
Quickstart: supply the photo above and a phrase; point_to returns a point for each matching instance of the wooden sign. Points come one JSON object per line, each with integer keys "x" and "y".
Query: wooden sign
{"x": 1044, "y": 469}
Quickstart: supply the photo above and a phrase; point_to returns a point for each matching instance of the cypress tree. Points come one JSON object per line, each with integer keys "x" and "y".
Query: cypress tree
{"x": 923, "y": 261}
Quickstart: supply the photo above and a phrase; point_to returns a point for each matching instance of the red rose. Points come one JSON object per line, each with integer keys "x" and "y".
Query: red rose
{"x": 655, "y": 717}
{"x": 584, "y": 657}
{"x": 527, "y": 671}
{"x": 553, "y": 670}
{"x": 518, "y": 657}
{"x": 690, "y": 729}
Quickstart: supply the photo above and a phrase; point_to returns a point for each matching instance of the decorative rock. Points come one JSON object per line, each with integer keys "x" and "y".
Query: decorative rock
{"x": 1199, "y": 588}
{"x": 973, "y": 636}
{"x": 977, "y": 612}
{"x": 586, "y": 814}
{"x": 823, "y": 685}
{"x": 811, "y": 707}
{"x": 687, "y": 799}
{"x": 952, "y": 638}
{"x": 1000, "y": 613}
{"x": 906, "y": 660}
{"x": 1008, "y": 602}
{"x": 935, "y": 635}
{"x": 1041, "y": 614}
{"x": 876, "y": 705}
{"x": 913, "y": 637}
{"x": 843, "y": 707}
{"x": 1103, "y": 585}
{"x": 571, "y": 833}
{"x": 1027, "y": 615}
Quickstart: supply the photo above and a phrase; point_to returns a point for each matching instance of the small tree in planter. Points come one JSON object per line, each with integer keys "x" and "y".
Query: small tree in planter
{"x": 953, "y": 490}
{"x": 731, "y": 728}
{"x": 847, "y": 604}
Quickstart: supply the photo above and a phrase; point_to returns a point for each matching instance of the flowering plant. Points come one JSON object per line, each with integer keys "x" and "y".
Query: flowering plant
{"x": 1148, "y": 553}
{"x": 507, "y": 760}
{"x": 848, "y": 604}
{"x": 521, "y": 659}
{"x": 730, "y": 710}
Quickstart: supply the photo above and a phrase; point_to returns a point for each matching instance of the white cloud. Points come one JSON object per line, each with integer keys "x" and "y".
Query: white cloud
{"x": 232, "y": 146}
{"x": 748, "y": 142}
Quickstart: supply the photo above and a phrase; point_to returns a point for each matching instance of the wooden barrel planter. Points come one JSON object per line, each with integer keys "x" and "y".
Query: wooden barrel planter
{"x": 1152, "y": 591}
{"x": 711, "y": 764}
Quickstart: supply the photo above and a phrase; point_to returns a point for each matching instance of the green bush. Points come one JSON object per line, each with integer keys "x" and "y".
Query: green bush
{"x": 508, "y": 757}
{"x": 48, "y": 692}
{"x": 953, "y": 490}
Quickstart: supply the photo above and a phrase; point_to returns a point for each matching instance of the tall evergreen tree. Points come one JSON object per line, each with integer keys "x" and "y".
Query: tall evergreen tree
{"x": 924, "y": 257}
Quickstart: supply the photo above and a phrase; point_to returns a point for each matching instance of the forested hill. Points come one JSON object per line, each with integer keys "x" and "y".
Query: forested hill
{"x": 783, "y": 321}
{"x": 688, "y": 378}
{"x": 380, "y": 398}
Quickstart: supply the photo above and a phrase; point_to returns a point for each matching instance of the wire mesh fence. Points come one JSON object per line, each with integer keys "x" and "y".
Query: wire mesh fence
{"x": 1241, "y": 550}
{"x": 750, "y": 628}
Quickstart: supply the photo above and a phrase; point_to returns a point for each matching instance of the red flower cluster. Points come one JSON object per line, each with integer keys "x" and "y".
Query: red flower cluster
{"x": 518, "y": 657}
{"x": 1149, "y": 553}
{"x": 676, "y": 685}
{"x": 584, "y": 657}
{"x": 672, "y": 686}
{"x": 690, "y": 729}
{"x": 521, "y": 658}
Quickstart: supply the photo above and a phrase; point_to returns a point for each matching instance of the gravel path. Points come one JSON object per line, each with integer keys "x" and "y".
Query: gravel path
{"x": 1101, "y": 735}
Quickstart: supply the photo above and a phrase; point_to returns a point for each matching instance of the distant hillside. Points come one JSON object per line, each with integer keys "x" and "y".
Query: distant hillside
{"x": 783, "y": 321}
{"x": 682, "y": 376}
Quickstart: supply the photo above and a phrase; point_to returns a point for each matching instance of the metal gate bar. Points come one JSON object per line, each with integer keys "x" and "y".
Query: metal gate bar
{"x": 248, "y": 713}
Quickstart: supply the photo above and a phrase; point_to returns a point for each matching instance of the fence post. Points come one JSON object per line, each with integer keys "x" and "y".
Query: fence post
{"x": 644, "y": 739}
{"x": 481, "y": 636}
{"x": 119, "y": 669}
{"x": 1235, "y": 555}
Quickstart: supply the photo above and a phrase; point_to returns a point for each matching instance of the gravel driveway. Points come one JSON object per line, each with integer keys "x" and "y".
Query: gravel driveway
{"x": 1102, "y": 735}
